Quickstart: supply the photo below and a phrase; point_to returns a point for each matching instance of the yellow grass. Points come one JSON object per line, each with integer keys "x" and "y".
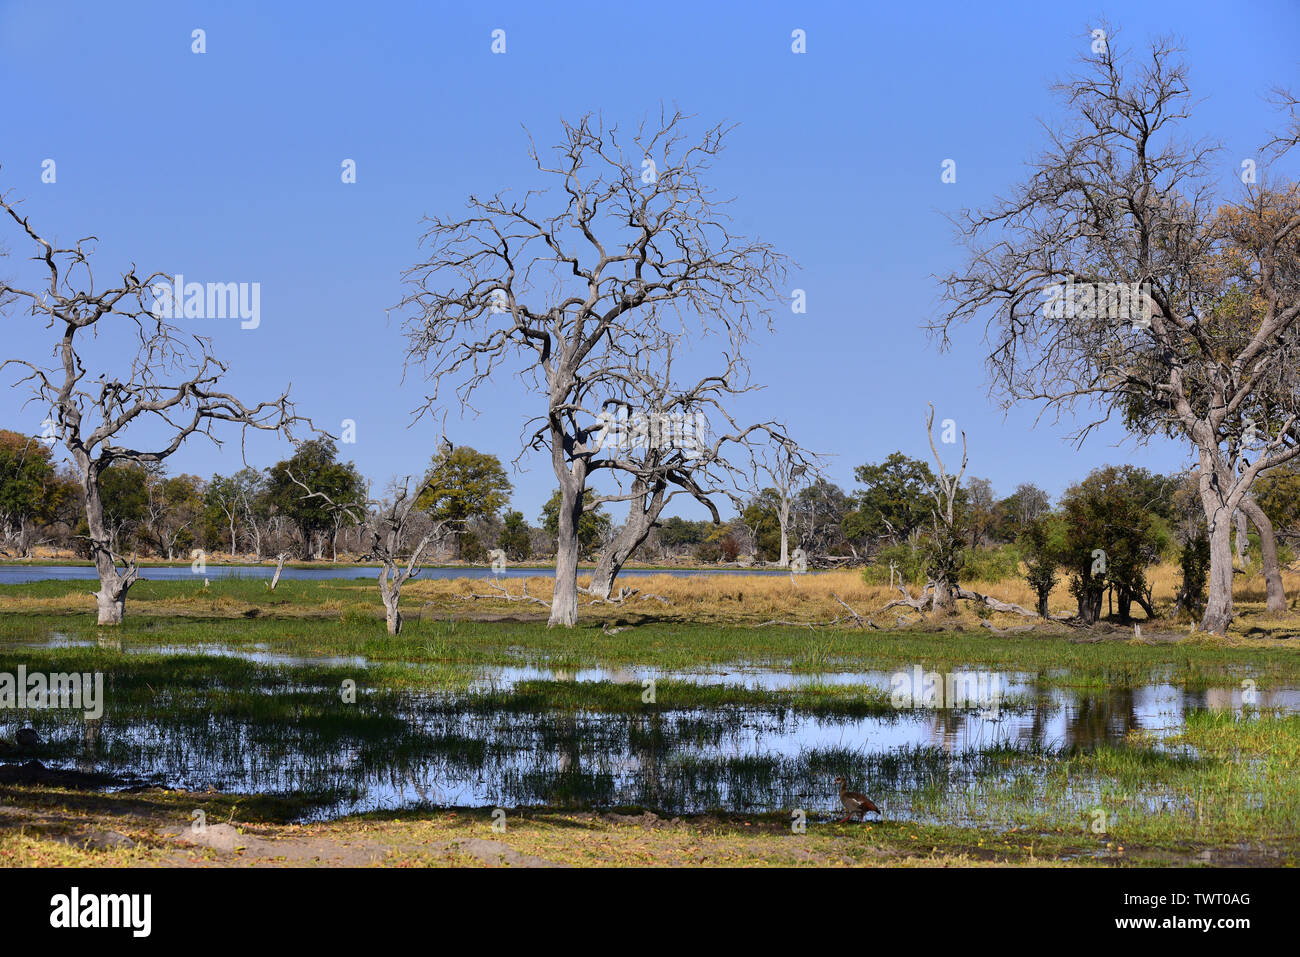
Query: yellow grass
{"x": 715, "y": 599}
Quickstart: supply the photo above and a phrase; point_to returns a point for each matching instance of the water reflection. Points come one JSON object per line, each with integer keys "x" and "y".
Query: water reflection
{"x": 397, "y": 750}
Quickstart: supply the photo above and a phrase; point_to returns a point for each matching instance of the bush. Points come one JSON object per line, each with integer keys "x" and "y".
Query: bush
{"x": 991, "y": 564}
{"x": 708, "y": 553}
{"x": 471, "y": 549}
{"x": 1195, "y": 564}
{"x": 907, "y": 563}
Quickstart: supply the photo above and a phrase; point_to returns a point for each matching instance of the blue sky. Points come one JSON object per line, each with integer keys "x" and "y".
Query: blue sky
{"x": 225, "y": 166}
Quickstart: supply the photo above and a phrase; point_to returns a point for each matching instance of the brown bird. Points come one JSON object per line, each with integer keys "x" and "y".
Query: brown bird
{"x": 854, "y": 803}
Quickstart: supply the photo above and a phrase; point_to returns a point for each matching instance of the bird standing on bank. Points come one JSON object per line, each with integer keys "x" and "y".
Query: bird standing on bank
{"x": 854, "y": 803}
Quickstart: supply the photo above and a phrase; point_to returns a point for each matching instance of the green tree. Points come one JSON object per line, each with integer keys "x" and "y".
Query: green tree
{"x": 175, "y": 513}
{"x": 315, "y": 463}
{"x": 1043, "y": 548}
{"x": 229, "y": 503}
{"x": 1115, "y": 530}
{"x": 464, "y": 484}
{"x": 29, "y": 488}
{"x": 1278, "y": 494}
{"x": 124, "y": 491}
{"x": 514, "y": 539}
{"x": 762, "y": 517}
{"x": 677, "y": 532}
{"x": 593, "y": 527}
{"x": 895, "y": 499}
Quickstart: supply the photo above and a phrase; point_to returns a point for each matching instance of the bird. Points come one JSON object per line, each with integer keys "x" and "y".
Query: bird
{"x": 27, "y": 738}
{"x": 854, "y": 803}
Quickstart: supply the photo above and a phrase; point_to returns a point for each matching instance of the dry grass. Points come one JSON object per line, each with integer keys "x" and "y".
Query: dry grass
{"x": 714, "y": 599}
{"x": 804, "y": 598}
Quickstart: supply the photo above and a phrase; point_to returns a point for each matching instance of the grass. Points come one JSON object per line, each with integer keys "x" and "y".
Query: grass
{"x": 1080, "y": 660}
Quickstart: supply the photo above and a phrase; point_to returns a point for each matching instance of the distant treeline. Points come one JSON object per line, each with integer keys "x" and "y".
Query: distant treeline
{"x": 1135, "y": 516}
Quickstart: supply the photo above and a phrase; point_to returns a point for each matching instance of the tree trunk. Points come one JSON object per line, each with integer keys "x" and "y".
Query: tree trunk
{"x": 112, "y": 603}
{"x": 1242, "y": 539}
{"x": 391, "y": 593}
{"x": 1268, "y": 553}
{"x": 784, "y": 516}
{"x": 944, "y": 601}
{"x": 1218, "y": 610}
{"x": 1042, "y": 604}
{"x": 640, "y": 520}
{"x": 113, "y": 586}
{"x": 279, "y": 567}
{"x": 564, "y": 602}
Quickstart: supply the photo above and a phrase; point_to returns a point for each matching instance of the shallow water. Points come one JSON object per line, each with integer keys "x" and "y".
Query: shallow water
{"x": 922, "y": 763}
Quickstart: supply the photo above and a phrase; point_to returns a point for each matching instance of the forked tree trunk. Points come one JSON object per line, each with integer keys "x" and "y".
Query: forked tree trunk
{"x": 113, "y": 585}
{"x": 564, "y": 601}
{"x": 629, "y": 538}
{"x": 1268, "y": 553}
{"x": 111, "y": 598}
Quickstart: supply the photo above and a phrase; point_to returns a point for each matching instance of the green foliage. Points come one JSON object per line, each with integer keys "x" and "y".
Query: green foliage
{"x": 907, "y": 561}
{"x": 895, "y": 499}
{"x": 991, "y": 564}
{"x": 1278, "y": 493}
{"x": 514, "y": 539}
{"x": 762, "y": 517}
{"x": 677, "y": 531}
{"x": 124, "y": 491}
{"x": 1195, "y": 564}
{"x": 242, "y": 491}
{"x": 1118, "y": 510}
{"x": 27, "y": 479}
{"x": 316, "y": 465}
{"x": 471, "y": 549}
{"x": 1043, "y": 548}
{"x": 593, "y": 527}
{"x": 463, "y": 484}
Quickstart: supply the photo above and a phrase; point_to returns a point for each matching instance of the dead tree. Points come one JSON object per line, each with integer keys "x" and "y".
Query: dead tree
{"x": 566, "y": 285}
{"x": 388, "y": 528}
{"x": 169, "y": 386}
{"x": 784, "y": 466}
{"x": 1116, "y": 275}
{"x": 659, "y": 443}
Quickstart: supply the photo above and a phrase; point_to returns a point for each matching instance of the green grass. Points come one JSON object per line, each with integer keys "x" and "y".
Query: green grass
{"x": 1196, "y": 663}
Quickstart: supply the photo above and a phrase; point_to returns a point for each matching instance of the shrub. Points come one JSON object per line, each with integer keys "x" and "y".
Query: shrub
{"x": 908, "y": 563}
{"x": 991, "y": 564}
{"x": 1195, "y": 565}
